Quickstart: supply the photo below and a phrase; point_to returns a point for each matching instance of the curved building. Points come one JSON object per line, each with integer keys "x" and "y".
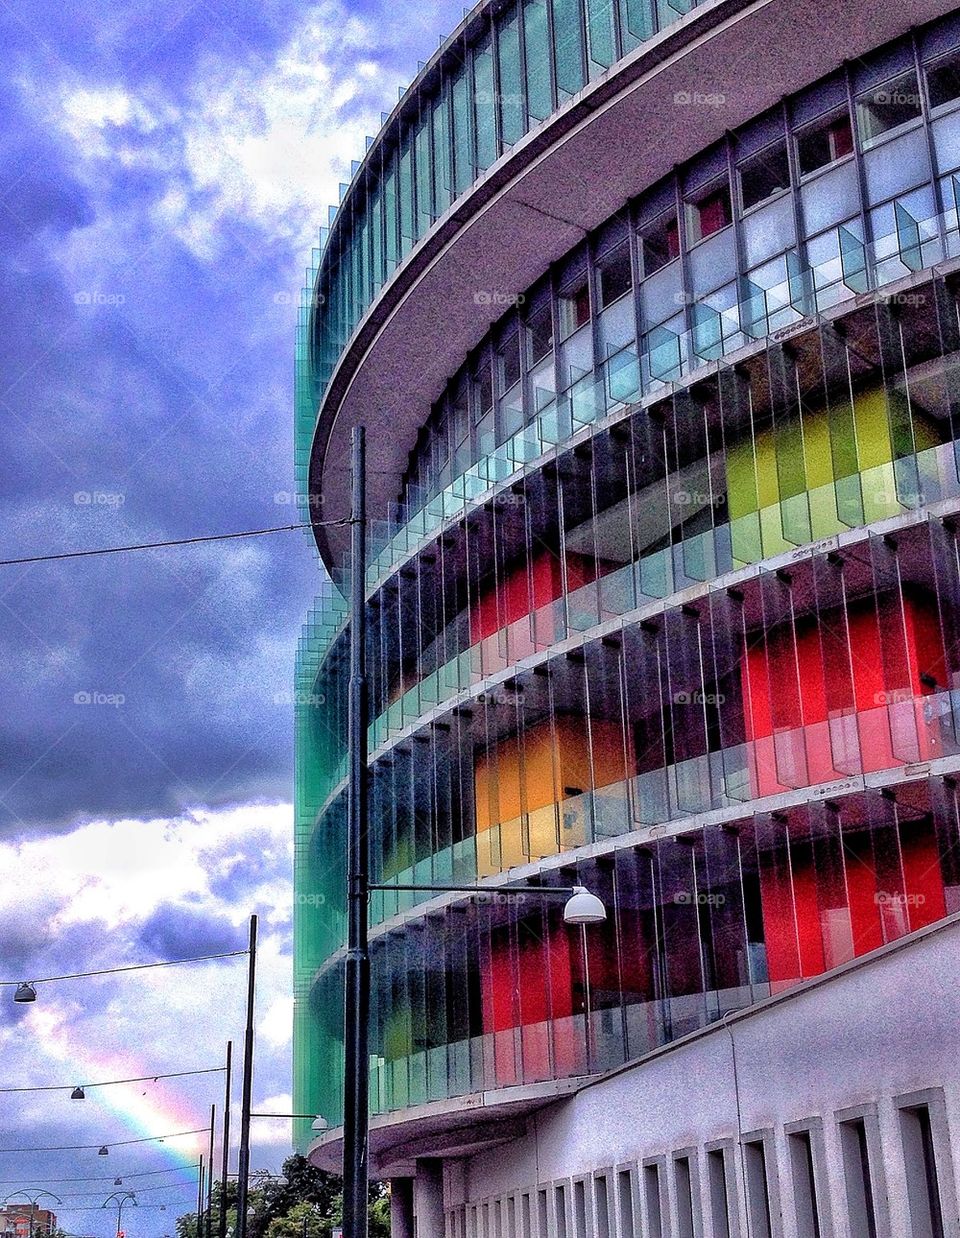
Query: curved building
{"x": 651, "y": 312}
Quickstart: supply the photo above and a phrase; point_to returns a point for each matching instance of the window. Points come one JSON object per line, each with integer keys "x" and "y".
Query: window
{"x": 651, "y": 1201}
{"x": 574, "y": 307}
{"x": 509, "y": 362}
{"x": 758, "y": 1189}
{"x": 804, "y": 1177}
{"x": 660, "y": 243}
{"x": 560, "y": 1203}
{"x": 540, "y": 333}
{"x": 683, "y": 1185}
{"x": 943, "y": 80}
{"x": 542, "y": 1213}
{"x": 920, "y": 1164}
{"x": 824, "y": 143}
{"x": 624, "y": 1201}
{"x": 580, "y": 1209}
{"x": 614, "y": 277}
{"x": 764, "y": 175}
{"x": 888, "y": 107}
{"x": 861, "y": 1209}
{"x": 708, "y": 212}
{"x": 601, "y": 1208}
{"x": 719, "y": 1195}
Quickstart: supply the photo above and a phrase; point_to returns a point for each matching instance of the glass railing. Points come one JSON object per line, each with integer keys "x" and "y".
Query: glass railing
{"x": 562, "y": 1048}
{"x": 903, "y": 730}
{"x": 668, "y": 357}
{"x": 699, "y": 558}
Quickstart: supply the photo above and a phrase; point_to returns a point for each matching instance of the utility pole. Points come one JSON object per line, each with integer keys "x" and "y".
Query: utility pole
{"x": 225, "y": 1160}
{"x": 357, "y": 963}
{"x": 209, "y": 1222}
{"x": 243, "y": 1166}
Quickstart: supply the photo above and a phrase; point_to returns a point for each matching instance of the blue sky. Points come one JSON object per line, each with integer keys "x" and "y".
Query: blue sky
{"x": 163, "y": 172}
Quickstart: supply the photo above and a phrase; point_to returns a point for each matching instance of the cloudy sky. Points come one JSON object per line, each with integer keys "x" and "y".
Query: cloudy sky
{"x": 163, "y": 172}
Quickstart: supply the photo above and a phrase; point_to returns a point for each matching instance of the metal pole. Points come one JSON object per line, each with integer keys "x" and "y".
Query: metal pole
{"x": 243, "y": 1165}
{"x": 225, "y": 1161}
{"x": 199, "y": 1202}
{"x": 357, "y": 962}
{"x": 213, "y": 1127}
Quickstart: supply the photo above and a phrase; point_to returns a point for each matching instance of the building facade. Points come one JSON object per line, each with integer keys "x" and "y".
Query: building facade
{"x": 26, "y": 1221}
{"x": 651, "y": 311}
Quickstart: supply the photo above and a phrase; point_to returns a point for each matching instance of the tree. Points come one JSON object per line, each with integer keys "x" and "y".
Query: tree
{"x": 187, "y": 1224}
{"x": 299, "y": 1202}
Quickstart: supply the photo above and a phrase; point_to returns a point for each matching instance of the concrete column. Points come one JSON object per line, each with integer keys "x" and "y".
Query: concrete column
{"x": 401, "y": 1208}
{"x": 428, "y": 1198}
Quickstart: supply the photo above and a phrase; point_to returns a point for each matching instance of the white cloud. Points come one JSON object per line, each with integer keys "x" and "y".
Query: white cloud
{"x": 259, "y": 141}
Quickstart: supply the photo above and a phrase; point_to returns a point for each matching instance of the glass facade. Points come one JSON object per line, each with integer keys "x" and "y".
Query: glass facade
{"x": 668, "y": 605}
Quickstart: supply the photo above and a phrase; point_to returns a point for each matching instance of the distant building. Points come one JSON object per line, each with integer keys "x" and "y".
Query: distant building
{"x": 25, "y": 1221}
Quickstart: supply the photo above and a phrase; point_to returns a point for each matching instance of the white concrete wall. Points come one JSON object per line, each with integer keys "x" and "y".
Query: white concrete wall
{"x": 875, "y": 1032}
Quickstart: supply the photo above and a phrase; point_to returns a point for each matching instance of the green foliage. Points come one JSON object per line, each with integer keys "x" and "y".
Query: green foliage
{"x": 301, "y": 1202}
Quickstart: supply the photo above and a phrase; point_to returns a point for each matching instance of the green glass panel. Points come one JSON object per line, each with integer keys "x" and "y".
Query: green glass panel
{"x": 853, "y": 260}
{"x": 636, "y": 22}
{"x": 537, "y": 47}
{"x": 442, "y": 170}
{"x": 799, "y": 283}
{"x": 753, "y": 309}
{"x": 407, "y": 227}
{"x": 376, "y": 234}
{"x": 424, "y": 216}
{"x": 391, "y": 217}
{"x": 462, "y": 133}
{"x": 484, "y": 100}
{"x": 601, "y": 39}
{"x": 908, "y": 238}
{"x": 568, "y": 47}
{"x": 707, "y": 337}
{"x": 623, "y": 376}
{"x": 664, "y": 353}
{"x": 512, "y": 110}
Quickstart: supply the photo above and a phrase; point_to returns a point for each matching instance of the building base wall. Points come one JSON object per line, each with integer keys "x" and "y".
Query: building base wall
{"x": 792, "y": 1106}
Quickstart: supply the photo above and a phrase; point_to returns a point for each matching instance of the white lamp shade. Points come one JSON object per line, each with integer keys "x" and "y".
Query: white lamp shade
{"x": 319, "y": 1123}
{"x": 583, "y": 908}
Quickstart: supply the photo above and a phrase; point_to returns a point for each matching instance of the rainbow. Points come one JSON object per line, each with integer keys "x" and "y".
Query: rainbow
{"x": 145, "y": 1109}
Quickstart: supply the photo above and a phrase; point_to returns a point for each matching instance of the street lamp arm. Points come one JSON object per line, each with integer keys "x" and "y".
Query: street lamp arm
{"x": 475, "y": 889}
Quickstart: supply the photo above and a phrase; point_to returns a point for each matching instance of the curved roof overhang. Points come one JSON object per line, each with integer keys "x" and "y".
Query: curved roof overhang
{"x": 617, "y": 137}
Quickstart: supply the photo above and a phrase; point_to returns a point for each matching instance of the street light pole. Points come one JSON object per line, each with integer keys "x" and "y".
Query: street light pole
{"x": 209, "y": 1221}
{"x": 243, "y": 1161}
{"x": 225, "y": 1161}
{"x": 581, "y": 907}
{"x": 127, "y": 1197}
{"x": 33, "y": 1197}
{"x": 357, "y": 962}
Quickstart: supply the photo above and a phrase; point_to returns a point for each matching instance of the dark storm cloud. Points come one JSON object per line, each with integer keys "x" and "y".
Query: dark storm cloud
{"x": 174, "y": 931}
{"x": 145, "y": 393}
